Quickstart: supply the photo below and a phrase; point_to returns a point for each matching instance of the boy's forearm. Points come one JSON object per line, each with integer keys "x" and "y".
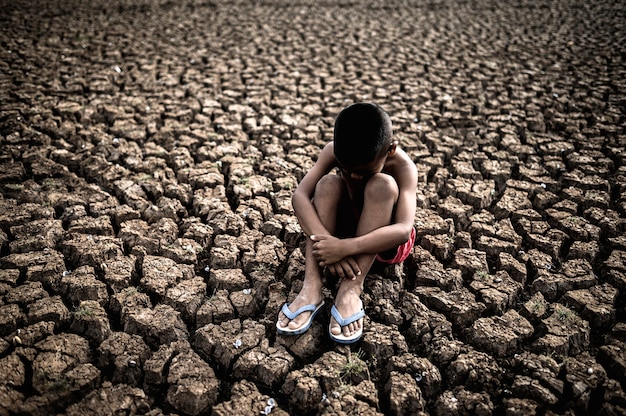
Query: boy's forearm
{"x": 307, "y": 217}
{"x": 378, "y": 240}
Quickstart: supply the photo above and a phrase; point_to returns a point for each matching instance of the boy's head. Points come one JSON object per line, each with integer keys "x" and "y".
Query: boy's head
{"x": 362, "y": 134}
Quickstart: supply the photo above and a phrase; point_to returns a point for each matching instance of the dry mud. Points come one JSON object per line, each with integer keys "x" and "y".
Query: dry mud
{"x": 149, "y": 150}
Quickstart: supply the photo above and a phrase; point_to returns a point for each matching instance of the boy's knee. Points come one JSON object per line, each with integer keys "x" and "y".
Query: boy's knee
{"x": 382, "y": 187}
{"x": 328, "y": 185}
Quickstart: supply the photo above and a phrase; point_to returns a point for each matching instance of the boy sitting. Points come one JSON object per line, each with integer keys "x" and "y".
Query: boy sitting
{"x": 363, "y": 213}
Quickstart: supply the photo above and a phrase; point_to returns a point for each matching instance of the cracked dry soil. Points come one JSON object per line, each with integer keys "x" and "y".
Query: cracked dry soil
{"x": 148, "y": 154}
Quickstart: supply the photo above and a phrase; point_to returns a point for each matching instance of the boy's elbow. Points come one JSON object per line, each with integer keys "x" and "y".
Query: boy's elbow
{"x": 296, "y": 199}
{"x": 406, "y": 233}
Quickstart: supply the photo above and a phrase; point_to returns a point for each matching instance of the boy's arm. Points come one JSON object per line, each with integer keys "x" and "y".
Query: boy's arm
{"x": 303, "y": 195}
{"x": 399, "y": 231}
{"x": 383, "y": 238}
{"x": 392, "y": 235}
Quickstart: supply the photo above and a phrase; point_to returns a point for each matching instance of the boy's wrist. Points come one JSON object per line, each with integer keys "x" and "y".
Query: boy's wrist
{"x": 349, "y": 246}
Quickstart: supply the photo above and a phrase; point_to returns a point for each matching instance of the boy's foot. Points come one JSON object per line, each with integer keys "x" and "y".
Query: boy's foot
{"x": 312, "y": 309}
{"x": 301, "y": 313}
{"x": 346, "y": 323}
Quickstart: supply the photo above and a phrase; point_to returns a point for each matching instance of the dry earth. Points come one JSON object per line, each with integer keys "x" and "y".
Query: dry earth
{"x": 149, "y": 150}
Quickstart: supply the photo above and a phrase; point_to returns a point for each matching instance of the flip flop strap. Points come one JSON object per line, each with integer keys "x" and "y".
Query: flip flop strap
{"x": 347, "y": 321}
{"x": 293, "y": 315}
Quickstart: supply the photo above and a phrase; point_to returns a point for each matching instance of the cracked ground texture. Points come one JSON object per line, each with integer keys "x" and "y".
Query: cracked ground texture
{"x": 148, "y": 152}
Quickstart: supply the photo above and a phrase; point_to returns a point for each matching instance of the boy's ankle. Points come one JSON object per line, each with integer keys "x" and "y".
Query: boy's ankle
{"x": 347, "y": 289}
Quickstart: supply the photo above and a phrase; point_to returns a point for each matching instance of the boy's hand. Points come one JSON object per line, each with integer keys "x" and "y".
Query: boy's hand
{"x": 331, "y": 252}
{"x": 345, "y": 269}
{"x": 327, "y": 249}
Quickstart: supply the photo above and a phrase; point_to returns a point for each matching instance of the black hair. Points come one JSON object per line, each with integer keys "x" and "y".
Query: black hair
{"x": 362, "y": 132}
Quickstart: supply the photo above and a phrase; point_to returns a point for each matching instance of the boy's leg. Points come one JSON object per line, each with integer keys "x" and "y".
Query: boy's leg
{"x": 381, "y": 195}
{"x": 328, "y": 194}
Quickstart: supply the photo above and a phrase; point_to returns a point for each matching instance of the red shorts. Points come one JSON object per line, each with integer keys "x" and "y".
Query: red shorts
{"x": 402, "y": 252}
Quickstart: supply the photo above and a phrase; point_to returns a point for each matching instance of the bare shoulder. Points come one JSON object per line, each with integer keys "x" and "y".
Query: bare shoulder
{"x": 325, "y": 160}
{"x": 400, "y": 166}
{"x": 403, "y": 157}
{"x": 327, "y": 155}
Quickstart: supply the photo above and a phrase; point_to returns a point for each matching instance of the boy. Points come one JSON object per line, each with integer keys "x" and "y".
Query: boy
{"x": 365, "y": 212}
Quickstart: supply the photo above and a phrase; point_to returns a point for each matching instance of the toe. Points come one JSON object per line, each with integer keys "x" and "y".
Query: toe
{"x": 353, "y": 328}
{"x": 298, "y": 321}
{"x": 282, "y": 320}
{"x": 349, "y": 329}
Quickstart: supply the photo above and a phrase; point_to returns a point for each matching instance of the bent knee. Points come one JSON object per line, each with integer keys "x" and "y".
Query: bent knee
{"x": 329, "y": 185}
{"x": 382, "y": 187}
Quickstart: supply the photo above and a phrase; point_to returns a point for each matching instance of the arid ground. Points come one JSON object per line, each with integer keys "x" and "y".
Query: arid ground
{"x": 149, "y": 151}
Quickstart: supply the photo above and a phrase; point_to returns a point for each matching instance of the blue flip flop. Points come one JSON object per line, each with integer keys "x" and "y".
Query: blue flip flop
{"x": 341, "y": 338}
{"x": 314, "y": 309}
